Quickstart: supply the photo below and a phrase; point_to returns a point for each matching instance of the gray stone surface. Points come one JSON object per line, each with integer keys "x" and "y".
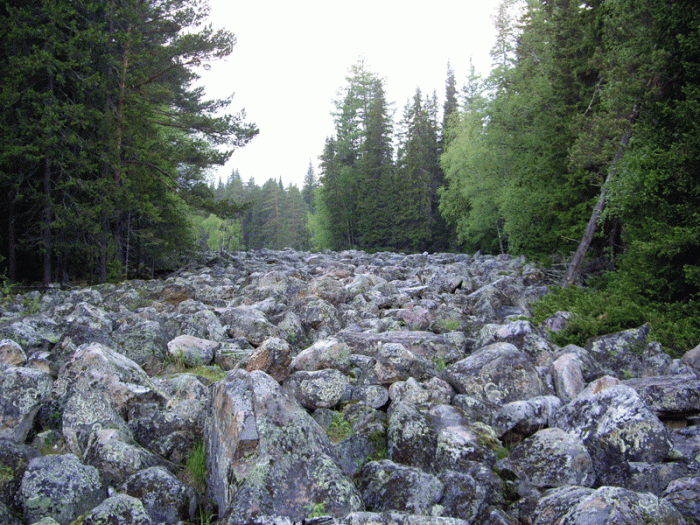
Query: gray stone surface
{"x": 60, "y": 487}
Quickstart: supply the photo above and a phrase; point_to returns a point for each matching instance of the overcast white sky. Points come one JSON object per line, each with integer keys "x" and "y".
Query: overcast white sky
{"x": 292, "y": 58}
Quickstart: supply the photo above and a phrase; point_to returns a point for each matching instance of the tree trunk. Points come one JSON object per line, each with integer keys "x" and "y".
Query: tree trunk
{"x": 573, "y": 271}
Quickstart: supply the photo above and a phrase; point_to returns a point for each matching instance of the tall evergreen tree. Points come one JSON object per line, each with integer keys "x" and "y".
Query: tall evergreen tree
{"x": 309, "y": 187}
{"x": 124, "y": 135}
{"x": 356, "y": 167}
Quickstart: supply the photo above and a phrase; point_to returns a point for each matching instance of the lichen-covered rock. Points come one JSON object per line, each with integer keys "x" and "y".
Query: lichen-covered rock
{"x": 432, "y": 391}
{"x": 192, "y": 351}
{"x": 86, "y": 412}
{"x": 428, "y": 345}
{"x": 142, "y": 342}
{"x": 605, "y": 506}
{"x": 684, "y": 494}
{"x": 692, "y": 359}
{"x": 116, "y": 455}
{"x": 22, "y": 391}
{"x": 459, "y": 440}
{"x": 249, "y": 323}
{"x": 395, "y": 518}
{"x": 267, "y": 456}
{"x": 203, "y": 324}
{"x": 97, "y": 367}
{"x": 552, "y": 458}
{"x": 463, "y": 496}
{"x": 394, "y": 362}
{"x": 669, "y": 397}
{"x": 387, "y": 486}
{"x": 118, "y": 510}
{"x": 616, "y": 426}
{"x": 14, "y": 459}
{"x": 520, "y": 333}
{"x": 60, "y": 487}
{"x": 318, "y": 389}
{"x": 411, "y": 438}
{"x": 33, "y": 332}
{"x": 324, "y": 353}
{"x": 517, "y": 420}
{"x": 165, "y": 498}
{"x": 273, "y": 357}
{"x": 496, "y": 374}
{"x": 628, "y": 353}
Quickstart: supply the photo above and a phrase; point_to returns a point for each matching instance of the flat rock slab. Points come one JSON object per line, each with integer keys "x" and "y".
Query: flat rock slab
{"x": 669, "y": 396}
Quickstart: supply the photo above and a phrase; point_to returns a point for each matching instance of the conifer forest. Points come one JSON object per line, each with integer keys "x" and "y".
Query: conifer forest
{"x": 580, "y": 149}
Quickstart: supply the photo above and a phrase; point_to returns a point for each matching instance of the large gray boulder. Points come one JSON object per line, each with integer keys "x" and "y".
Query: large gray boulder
{"x": 616, "y": 426}
{"x": 86, "y": 412}
{"x": 60, "y": 487}
{"x": 427, "y": 345}
{"x": 100, "y": 368}
{"x": 165, "y": 498}
{"x": 670, "y": 397}
{"x": 387, "y": 486}
{"x": 249, "y": 323}
{"x": 22, "y": 391}
{"x": 143, "y": 342}
{"x": 318, "y": 389}
{"x": 573, "y": 505}
{"x": 395, "y": 518}
{"x": 411, "y": 438}
{"x": 192, "y": 351}
{"x": 14, "y": 459}
{"x": 118, "y": 510}
{"x": 552, "y": 458}
{"x": 11, "y": 354}
{"x": 267, "y": 456}
{"x": 684, "y": 494}
{"x": 496, "y": 374}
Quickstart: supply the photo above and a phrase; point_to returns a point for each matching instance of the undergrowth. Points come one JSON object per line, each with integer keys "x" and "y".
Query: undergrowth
{"x": 609, "y": 307}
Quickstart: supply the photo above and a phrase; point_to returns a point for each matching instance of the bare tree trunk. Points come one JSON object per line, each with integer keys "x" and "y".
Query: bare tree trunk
{"x": 573, "y": 271}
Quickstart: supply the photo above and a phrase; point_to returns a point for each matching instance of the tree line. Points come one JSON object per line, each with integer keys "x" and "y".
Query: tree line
{"x": 106, "y": 136}
{"x": 580, "y": 145}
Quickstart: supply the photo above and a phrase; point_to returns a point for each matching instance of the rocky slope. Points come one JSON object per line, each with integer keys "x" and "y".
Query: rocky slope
{"x": 339, "y": 388}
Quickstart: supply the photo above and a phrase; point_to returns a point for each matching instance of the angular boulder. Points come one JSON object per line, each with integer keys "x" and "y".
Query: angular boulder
{"x": 616, "y": 426}
{"x": 552, "y": 458}
{"x": 22, "y": 391}
{"x": 604, "y": 506}
{"x": 496, "y": 374}
{"x": 118, "y": 510}
{"x": 60, "y": 487}
{"x": 267, "y": 456}
{"x": 387, "y": 486}
{"x": 165, "y": 498}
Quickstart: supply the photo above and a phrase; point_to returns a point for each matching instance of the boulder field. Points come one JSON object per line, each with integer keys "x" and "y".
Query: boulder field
{"x": 280, "y": 387}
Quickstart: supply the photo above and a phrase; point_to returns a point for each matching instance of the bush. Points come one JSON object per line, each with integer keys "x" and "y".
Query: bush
{"x": 609, "y": 306}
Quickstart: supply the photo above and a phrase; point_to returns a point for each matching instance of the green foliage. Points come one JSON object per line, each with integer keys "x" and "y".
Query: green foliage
{"x": 596, "y": 312}
{"x": 316, "y": 510}
{"x": 108, "y": 139}
{"x": 378, "y": 438}
{"x": 439, "y": 363}
{"x": 196, "y": 465}
{"x": 339, "y": 428}
{"x": 612, "y": 307}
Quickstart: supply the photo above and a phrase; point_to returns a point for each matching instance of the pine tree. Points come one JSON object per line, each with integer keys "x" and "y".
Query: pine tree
{"x": 310, "y": 185}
